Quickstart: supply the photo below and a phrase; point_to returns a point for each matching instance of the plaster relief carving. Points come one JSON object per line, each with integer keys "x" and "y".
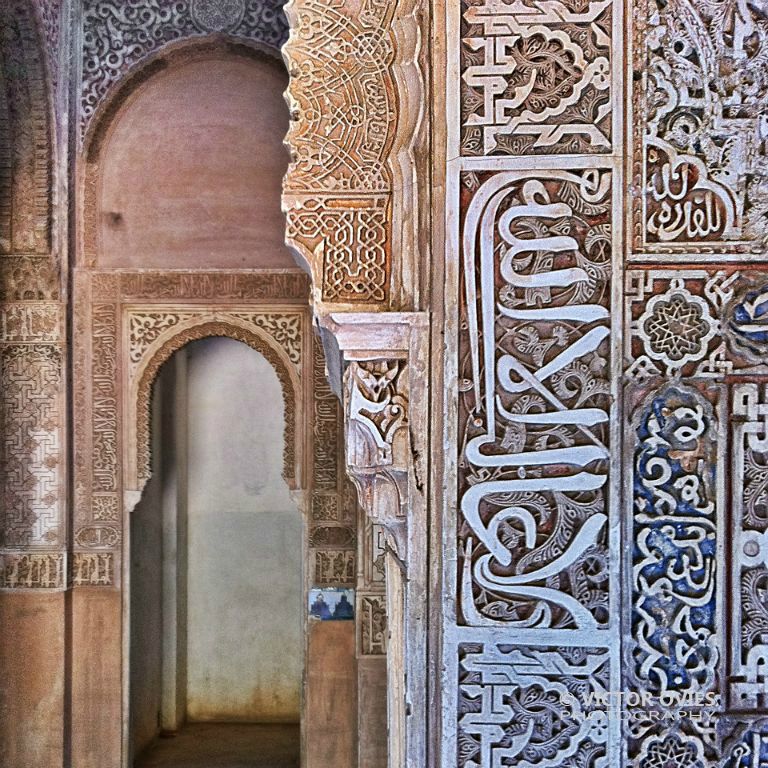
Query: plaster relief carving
{"x": 30, "y": 460}
{"x": 98, "y": 537}
{"x": 212, "y": 16}
{"x": 536, "y": 78}
{"x": 31, "y": 322}
{"x": 534, "y": 405}
{"x": 693, "y": 323}
{"x": 745, "y": 320}
{"x": 385, "y": 391}
{"x": 676, "y": 579}
{"x": 205, "y": 327}
{"x": 335, "y": 568}
{"x": 25, "y": 135}
{"x": 93, "y": 569}
{"x": 146, "y": 327}
{"x": 348, "y": 243}
{"x": 749, "y": 680}
{"x": 119, "y": 35}
{"x": 372, "y": 624}
{"x": 347, "y": 74}
{"x": 699, "y": 131}
{"x": 126, "y": 326}
{"x": 28, "y": 278}
{"x": 527, "y": 707}
{"x": 327, "y": 442}
{"x": 32, "y": 570}
{"x": 191, "y": 286}
{"x": 377, "y": 445}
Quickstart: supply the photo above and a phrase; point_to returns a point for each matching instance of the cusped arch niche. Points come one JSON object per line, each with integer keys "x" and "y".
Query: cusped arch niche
{"x": 151, "y": 360}
{"x": 198, "y": 126}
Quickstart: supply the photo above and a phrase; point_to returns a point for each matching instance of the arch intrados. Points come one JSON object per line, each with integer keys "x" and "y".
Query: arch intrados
{"x": 139, "y": 452}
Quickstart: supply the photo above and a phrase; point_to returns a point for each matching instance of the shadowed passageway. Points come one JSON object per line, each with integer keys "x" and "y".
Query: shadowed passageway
{"x": 226, "y": 745}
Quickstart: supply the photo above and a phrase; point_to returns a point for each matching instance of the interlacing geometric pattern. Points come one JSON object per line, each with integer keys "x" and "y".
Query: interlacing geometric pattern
{"x": 611, "y": 538}
{"x": 119, "y": 35}
{"x": 337, "y": 189}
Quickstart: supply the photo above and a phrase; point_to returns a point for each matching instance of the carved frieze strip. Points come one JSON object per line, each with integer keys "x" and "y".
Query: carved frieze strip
{"x": 93, "y": 569}
{"x": 374, "y": 549}
{"x": 698, "y": 137}
{"x": 200, "y": 285}
{"x": 31, "y": 322}
{"x": 117, "y": 36}
{"x": 537, "y": 79}
{"x": 529, "y": 704}
{"x": 33, "y": 570}
{"x": 327, "y": 461}
{"x": 334, "y": 567}
{"x": 82, "y": 393}
{"x": 372, "y": 628}
{"x": 26, "y": 136}
{"x": 105, "y": 397}
{"x": 674, "y": 581}
{"x": 536, "y": 399}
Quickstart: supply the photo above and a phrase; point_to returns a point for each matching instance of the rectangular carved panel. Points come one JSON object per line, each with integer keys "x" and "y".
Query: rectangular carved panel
{"x": 749, "y": 673}
{"x": 31, "y": 457}
{"x": 536, "y": 79}
{"x": 531, "y": 556}
{"x": 535, "y": 400}
{"x": 699, "y": 99}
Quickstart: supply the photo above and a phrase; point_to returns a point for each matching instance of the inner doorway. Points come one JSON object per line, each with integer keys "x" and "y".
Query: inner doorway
{"x": 216, "y": 595}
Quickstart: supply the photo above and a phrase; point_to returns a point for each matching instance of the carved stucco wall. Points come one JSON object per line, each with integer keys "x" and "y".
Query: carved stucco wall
{"x": 32, "y": 472}
{"x": 604, "y": 410}
{"x": 128, "y": 322}
{"x": 605, "y": 403}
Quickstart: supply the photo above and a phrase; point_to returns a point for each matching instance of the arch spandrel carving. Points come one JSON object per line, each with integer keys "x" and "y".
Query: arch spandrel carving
{"x": 246, "y": 328}
{"x": 145, "y": 27}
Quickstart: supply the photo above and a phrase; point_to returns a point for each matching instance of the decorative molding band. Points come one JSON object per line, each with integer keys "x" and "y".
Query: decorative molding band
{"x": 33, "y": 570}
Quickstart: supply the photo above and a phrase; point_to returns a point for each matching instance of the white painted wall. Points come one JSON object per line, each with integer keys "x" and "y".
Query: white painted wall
{"x": 146, "y": 598}
{"x": 244, "y": 652}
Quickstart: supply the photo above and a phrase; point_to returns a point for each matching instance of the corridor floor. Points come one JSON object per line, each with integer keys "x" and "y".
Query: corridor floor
{"x": 226, "y": 745}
